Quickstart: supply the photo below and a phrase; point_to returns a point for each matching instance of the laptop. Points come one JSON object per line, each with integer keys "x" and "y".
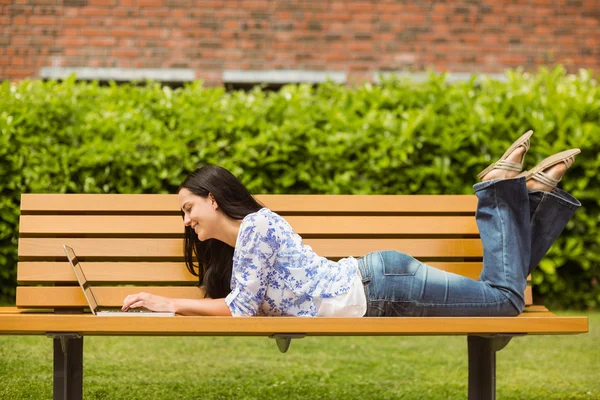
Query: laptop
{"x": 91, "y": 299}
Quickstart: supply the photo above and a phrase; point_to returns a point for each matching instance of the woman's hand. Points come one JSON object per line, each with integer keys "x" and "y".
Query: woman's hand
{"x": 150, "y": 301}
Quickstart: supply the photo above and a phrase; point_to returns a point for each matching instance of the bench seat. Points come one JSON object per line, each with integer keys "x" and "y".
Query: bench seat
{"x": 531, "y": 323}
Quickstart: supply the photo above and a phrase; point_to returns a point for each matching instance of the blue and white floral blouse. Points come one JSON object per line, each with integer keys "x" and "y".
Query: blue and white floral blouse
{"x": 275, "y": 274}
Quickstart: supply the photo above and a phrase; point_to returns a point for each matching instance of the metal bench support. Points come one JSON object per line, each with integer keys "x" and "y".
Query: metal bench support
{"x": 482, "y": 364}
{"x": 285, "y": 339}
{"x": 68, "y": 366}
{"x": 68, "y": 361}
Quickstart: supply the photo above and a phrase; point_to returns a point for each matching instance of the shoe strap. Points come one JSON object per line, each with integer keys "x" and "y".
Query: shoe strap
{"x": 546, "y": 179}
{"x": 569, "y": 161}
{"x": 508, "y": 165}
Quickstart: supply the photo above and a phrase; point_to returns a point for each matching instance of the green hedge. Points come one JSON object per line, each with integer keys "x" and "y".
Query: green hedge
{"x": 397, "y": 137}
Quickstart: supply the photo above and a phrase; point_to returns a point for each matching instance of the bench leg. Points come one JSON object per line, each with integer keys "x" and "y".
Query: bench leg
{"x": 68, "y": 366}
{"x": 482, "y": 365}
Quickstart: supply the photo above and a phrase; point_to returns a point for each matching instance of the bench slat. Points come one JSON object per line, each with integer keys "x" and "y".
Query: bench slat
{"x": 360, "y": 204}
{"x": 107, "y": 296}
{"x": 302, "y": 225}
{"x": 29, "y": 273}
{"x": 89, "y": 325}
{"x": 528, "y": 296}
{"x": 173, "y": 248}
{"x": 530, "y": 311}
{"x": 99, "y": 272}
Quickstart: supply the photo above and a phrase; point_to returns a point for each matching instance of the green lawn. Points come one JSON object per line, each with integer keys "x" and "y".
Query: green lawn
{"x": 534, "y": 367}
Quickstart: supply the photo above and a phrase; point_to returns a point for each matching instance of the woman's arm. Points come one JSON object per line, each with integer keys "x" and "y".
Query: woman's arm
{"x": 214, "y": 307}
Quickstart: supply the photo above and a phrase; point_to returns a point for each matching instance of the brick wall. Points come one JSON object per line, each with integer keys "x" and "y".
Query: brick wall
{"x": 358, "y": 37}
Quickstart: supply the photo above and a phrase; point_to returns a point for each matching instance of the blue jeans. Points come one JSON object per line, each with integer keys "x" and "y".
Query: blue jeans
{"x": 516, "y": 226}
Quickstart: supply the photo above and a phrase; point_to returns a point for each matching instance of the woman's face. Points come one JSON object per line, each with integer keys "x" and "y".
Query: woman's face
{"x": 199, "y": 213}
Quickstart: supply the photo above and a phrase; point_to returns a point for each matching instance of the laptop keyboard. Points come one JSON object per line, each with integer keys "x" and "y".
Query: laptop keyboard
{"x": 131, "y": 310}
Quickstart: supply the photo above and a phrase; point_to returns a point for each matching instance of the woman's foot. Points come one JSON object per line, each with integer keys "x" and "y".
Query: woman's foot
{"x": 497, "y": 173}
{"x": 511, "y": 160}
{"x": 555, "y": 172}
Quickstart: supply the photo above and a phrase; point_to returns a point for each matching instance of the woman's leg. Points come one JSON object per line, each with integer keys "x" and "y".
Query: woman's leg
{"x": 399, "y": 285}
{"x": 550, "y": 212}
{"x": 503, "y": 220}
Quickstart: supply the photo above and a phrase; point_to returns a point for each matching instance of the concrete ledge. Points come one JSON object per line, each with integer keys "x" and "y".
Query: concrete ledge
{"x": 121, "y": 74}
{"x": 282, "y": 76}
{"x": 423, "y": 76}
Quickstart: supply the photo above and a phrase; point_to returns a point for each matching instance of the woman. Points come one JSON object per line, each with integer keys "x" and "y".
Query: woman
{"x": 253, "y": 263}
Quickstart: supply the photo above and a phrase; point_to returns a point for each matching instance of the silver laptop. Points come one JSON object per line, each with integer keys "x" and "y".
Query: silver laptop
{"x": 91, "y": 299}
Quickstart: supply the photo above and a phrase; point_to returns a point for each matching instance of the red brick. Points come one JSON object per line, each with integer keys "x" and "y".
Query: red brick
{"x": 178, "y": 13}
{"x": 20, "y": 40}
{"x": 336, "y": 57}
{"x": 360, "y": 46}
{"x": 125, "y": 52}
{"x": 102, "y": 3}
{"x": 152, "y": 33}
{"x": 38, "y": 20}
{"x": 93, "y": 32}
{"x": 360, "y": 7}
{"x": 19, "y": 72}
{"x": 102, "y": 42}
{"x": 338, "y": 6}
{"x": 79, "y": 21}
{"x": 71, "y": 41}
{"x": 513, "y": 60}
{"x": 42, "y": 41}
{"x": 123, "y": 32}
{"x": 150, "y": 3}
{"x": 71, "y": 11}
{"x": 71, "y": 32}
{"x": 540, "y": 30}
{"x": 95, "y": 12}
{"x": 231, "y": 24}
{"x": 162, "y": 13}
{"x": 361, "y": 27}
{"x": 126, "y": 22}
{"x": 255, "y": 4}
{"x": 54, "y": 10}
{"x": 387, "y": 8}
{"x": 416, "y": 18}
{"x": 17, "y": 61}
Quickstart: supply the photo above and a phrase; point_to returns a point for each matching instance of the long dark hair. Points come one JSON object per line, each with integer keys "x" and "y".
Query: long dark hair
{"x": 215, "y": 258}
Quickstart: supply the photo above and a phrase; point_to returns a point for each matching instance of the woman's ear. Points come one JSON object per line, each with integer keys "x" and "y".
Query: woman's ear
{"x": 213, "y": 201}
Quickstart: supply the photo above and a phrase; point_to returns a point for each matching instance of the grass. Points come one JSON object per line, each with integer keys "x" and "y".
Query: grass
{"x": 532, "y": 367}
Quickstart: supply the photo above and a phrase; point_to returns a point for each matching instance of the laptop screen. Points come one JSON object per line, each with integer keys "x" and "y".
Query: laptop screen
{"x": 87, "y": 291}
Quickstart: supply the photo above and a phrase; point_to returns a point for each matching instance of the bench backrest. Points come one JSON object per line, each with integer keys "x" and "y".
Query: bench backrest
{"x": 137, "y": 240}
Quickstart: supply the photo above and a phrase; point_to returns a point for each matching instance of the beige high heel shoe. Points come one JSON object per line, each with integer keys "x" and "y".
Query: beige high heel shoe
{"x": 503, "y": 163}
{"x": 537, "y": 172}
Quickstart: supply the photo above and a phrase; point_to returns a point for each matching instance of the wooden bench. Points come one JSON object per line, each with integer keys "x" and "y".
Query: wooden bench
{"x": 137, "y": 240}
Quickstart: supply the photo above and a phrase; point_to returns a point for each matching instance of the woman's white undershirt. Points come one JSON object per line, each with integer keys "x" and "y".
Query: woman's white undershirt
{"x": 353, "y": 303}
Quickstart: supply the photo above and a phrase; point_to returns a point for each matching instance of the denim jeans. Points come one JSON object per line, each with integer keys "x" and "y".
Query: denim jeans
{"x": 517, "y": 227}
